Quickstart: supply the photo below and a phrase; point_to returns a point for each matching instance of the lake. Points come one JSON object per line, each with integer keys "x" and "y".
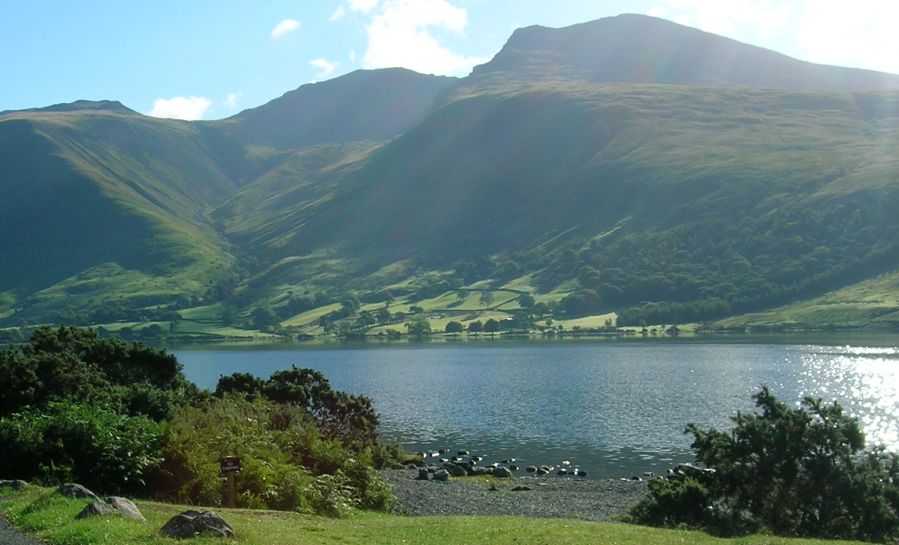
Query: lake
{"x": 615, "y": 408}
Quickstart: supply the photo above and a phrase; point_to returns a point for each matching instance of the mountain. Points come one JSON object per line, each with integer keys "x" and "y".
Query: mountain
{"x": 362, "y": 105}
{"x": 648, "y": 50}
{"x": 629, "y": 164}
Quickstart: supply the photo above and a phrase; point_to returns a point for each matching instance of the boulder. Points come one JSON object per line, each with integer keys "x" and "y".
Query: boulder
{"x": 196, "y": 523}
{"x": 454, "y": 470}
{"x": 442, "y": 475}
{"x": 14, "y": 484}
{"x": 521, "y": 488}
{"x": 531, "y": 469}
{"x": 423, "y": 474}
{"x": 112, "y": 505}
{"x": 502, "y": 473}
{"x": 72, "y": 490}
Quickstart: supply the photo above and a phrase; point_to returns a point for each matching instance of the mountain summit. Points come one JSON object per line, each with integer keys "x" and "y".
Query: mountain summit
{"x": 628, "y": 165}
{"x": 644, "y": 49}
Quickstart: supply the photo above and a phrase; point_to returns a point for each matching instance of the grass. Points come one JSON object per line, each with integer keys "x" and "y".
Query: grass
{"x": 872, "y": 302}
{"x": 51, "y": 517}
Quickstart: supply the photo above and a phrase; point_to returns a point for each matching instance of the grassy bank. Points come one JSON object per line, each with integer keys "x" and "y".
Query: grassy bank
{"x": 51, "y": 517}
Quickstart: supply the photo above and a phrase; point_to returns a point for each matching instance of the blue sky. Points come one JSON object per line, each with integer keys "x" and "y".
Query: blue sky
{"x": 204, "y": 59}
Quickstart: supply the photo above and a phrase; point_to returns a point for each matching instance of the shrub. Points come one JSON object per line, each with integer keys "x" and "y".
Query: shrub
{"x": 69, "y": 364}
{"x": 286, "y": 463}
{"x": 67, "y": 441}
{"x": 796, "y": 471}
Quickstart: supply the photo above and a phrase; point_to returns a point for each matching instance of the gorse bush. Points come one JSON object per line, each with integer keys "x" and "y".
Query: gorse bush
{"x": 69, "y": 364}
{"x": 800, "y": 472}
{"x": 68, "y": 441}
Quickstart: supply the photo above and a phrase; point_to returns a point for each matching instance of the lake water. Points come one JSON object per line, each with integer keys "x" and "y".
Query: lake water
{"x": 614, "y": 408}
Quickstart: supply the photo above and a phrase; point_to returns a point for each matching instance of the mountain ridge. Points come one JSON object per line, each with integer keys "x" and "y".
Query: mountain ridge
{"x": 580, "y": 165}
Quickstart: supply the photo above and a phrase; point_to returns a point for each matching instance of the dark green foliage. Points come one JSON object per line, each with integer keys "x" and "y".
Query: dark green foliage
{"x": 798, "y": 471}
{"x": 491, "y": 326}
{"x": 69, "y": 364}
{"x": 348, "y": 418}
{"x": 71, "y": 441}
{"x": 453, "y": 327}
{"x": 418, "y": 326}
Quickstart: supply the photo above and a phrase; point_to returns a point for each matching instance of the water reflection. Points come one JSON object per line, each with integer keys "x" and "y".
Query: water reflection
{"x": 614, "y": 408}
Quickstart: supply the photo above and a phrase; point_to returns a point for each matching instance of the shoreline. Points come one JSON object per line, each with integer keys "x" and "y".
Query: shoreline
{"x": 565, "y": 498}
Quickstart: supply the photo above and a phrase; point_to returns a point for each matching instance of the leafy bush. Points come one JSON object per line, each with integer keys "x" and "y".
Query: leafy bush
{"x": 800, "y": 471}
{"x": 286, "y": 462}
{"x": 338, "y": 415}
{"x": 68, "y": 441}
{"x": 69, "y": 364}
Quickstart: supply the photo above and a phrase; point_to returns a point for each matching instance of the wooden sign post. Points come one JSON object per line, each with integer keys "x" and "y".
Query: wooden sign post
{"x": 230, "y": 465}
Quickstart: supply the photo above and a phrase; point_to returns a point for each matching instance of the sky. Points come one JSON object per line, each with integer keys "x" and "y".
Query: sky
{"x": 205, "y": 59}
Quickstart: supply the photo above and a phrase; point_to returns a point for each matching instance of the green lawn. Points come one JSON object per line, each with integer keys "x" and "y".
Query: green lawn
{"x": 52, "y": 518}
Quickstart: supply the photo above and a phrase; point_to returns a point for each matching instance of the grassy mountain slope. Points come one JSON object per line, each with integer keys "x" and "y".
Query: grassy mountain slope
{"x": 360, "y": 106}
{"x": 105, "y": 186}
{"x": 627, "y": 165}
{"x": 665, "y": 188}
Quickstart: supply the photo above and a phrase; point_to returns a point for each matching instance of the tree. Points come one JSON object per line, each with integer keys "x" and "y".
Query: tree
{"x": 475, "y": 327}
{"x": 526, "y": 301}
{"x": 491, "y": 326}
{"x": 453, "y": 327}
{"x": 796, "y": 471}
{"x": 418, "y": 327}
{"x": 264, "y": 318}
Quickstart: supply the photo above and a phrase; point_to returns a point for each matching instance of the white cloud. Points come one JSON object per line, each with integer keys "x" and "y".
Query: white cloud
{"x": 365, "y": 6}
{"x": 181, "y": 107}
{"x": 750, "y": 20}
{"x": 338, "y": 14}
{"x": 862, "y": 34}
{"x": 824, "y": 31}
{"x": 285, "y": 27}
{"x": 325, "y": 67}
{"x": 398, "y": 35}
{"x": 231, "y": 100}
{"x": 352, "y": 56}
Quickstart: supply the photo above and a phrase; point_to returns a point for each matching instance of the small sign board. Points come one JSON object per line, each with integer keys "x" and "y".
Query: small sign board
{"x": 230, "y": 464}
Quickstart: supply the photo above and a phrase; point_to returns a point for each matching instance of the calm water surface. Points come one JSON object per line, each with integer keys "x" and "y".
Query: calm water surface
{"x": 614, "y": 408}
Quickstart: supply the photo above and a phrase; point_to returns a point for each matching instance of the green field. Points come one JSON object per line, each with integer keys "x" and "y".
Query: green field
{"x": 870, "y": 303}
{"x": 52, "y": 518}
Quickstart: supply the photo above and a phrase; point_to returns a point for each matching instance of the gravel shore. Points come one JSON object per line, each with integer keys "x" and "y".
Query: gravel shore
{"x": 548, "y": 497}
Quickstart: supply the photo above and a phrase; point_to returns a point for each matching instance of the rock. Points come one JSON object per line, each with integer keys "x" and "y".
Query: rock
{"x": 502, "y": 473}
{"x": 196, "y": 523}
{"x": 112, "y": 505}
{"x": 454, "y": 470}
{"x": 514, "y": 467}
{"x": 72, "y": 490}
{"x": 562, "y": 471}
{"x": 463, "y": 453}
{"x": 531, "y": 469}
{"x": 581, "y": 472}
{"x": 442, "y": 475}
{"x": 423, "y": 474}
{"x": 542, "y": 471}
{"x": 14, "y": 484}
{"x": 521, "y": 488}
